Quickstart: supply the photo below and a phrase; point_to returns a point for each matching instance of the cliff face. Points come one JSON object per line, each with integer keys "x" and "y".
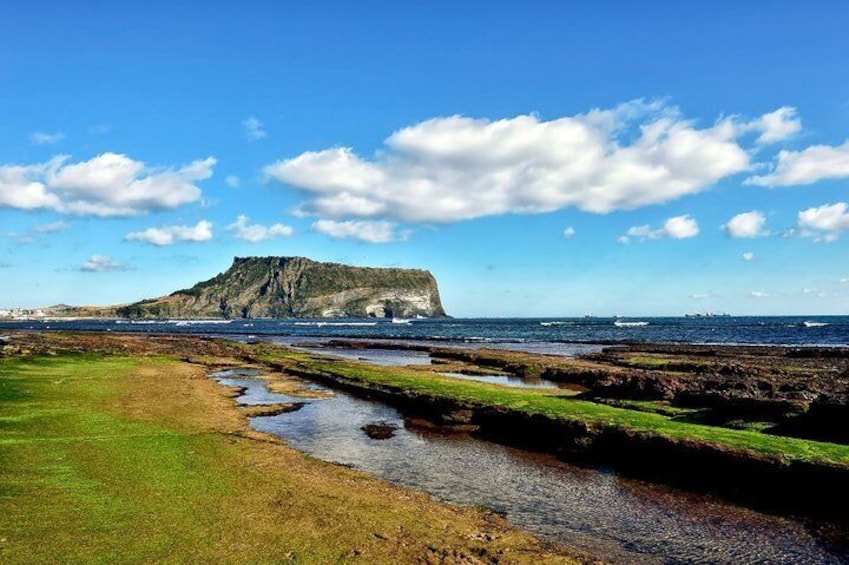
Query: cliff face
{"x": 297, "y": 287}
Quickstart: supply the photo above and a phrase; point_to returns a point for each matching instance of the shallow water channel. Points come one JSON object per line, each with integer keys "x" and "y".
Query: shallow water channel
{"x": 616, "y": 518}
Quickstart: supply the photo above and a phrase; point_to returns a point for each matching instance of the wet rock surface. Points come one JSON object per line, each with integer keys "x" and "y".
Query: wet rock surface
{"x": 794, "y": 391}
{"x": 380, "y": 430}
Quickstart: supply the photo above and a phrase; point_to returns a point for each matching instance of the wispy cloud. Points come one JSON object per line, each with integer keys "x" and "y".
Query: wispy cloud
{"x": 366, "y": 231}
{"x": 254, "y": 233}
{"x": 19, "y": 238}
{"x": 748, "y": 256}
{"x": 168, "y": 235}
{"x": 776, "y": 126}
{"x": 253, "y": 128}
{"x": 678, "y": 227}
{"x": 814, "y": 292}
{"x": 99, "y": 129}
{"x": 232, "y": 181}
{"x": 102, "y": 264}
{"x": 52, "y": 227}
{"x": 815, "y": 163}
{"x": 42, "y": 138}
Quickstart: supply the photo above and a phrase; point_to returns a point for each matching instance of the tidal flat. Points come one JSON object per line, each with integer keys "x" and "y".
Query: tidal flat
{"x": 626, "y": 450}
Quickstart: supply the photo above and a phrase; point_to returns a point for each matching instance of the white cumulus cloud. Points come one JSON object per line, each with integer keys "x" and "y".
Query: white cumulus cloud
{"x": 746, "y": 225}
{"x": 569, "y": 232}
{"x": 168, "y": 235}
{"x": 748, "y": 256}
{"x": 776, "y": 126}
{"x": 41, "y": 138}
{"x": 254, "y": 130}
{"x": 107, "y": 185}
{"x": 456, "y": 168}
{"x": 101, "y": 264}
{"x": 815, "y": 163}
{"x": 681, "y": 227}
{"x": 829, "y": 217}
{"x": 823, "y": 223}
{"x": 677, "y": 227}
{"x": 255, "y": 233}
{"x": 381, "y": 231}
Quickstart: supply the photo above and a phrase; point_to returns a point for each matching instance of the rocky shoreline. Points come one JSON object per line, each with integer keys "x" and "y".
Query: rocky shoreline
{"x": 791, "y": 391}
{"x": 796, "y": 392}
{"x": 665, "y": 424}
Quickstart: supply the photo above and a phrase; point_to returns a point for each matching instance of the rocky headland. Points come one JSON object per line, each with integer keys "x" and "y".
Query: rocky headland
{"x": 293, "y": 287}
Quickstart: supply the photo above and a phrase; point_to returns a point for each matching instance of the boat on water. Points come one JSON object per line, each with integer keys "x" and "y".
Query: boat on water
{"x": 809, "y": 324}
{"x": 400, "y": 321}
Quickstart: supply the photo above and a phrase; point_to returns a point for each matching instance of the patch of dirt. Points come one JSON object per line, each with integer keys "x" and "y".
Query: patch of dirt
{"x": 263, "y": 410}
{"x": 293, "y": 386}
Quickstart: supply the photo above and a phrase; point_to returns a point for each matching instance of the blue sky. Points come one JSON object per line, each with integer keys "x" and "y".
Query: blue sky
{"x": 541, "y": 159}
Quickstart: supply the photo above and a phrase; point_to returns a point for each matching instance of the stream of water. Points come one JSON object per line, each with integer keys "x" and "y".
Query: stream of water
{"x": 618, "y": 519}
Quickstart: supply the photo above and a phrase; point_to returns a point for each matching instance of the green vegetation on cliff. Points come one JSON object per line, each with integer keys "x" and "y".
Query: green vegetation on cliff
{"x": 286, "y": 287}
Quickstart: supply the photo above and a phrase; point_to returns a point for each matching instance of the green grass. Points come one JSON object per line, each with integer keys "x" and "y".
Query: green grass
{"x": 563, "y": 407}
{"x": 138, "y": 460}
{"x": 654, "y": 406}
{"x": 648, "y": 361}
{"x": 73, "y": 474}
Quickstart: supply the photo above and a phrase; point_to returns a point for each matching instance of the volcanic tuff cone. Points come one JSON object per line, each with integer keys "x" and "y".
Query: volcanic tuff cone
{"x": 297, "y": 287}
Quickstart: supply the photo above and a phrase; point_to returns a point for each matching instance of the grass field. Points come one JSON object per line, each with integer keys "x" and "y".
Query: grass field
{"x": 118, "y": 459}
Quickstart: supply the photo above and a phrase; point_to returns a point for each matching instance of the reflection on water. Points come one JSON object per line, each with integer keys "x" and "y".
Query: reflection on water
{"x": 509, "y": 380}
{"x": 237, "y": 372}
{"x": 386, "y": 357}
{"x": 621, "y": 520}
{"x": 255, "y": 391}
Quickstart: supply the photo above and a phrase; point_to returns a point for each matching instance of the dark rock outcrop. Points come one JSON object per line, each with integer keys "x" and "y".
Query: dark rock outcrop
{"x": 380, "y": 430}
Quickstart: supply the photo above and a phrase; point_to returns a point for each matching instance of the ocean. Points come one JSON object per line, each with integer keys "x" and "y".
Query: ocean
{"x": 551, "y": 335}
